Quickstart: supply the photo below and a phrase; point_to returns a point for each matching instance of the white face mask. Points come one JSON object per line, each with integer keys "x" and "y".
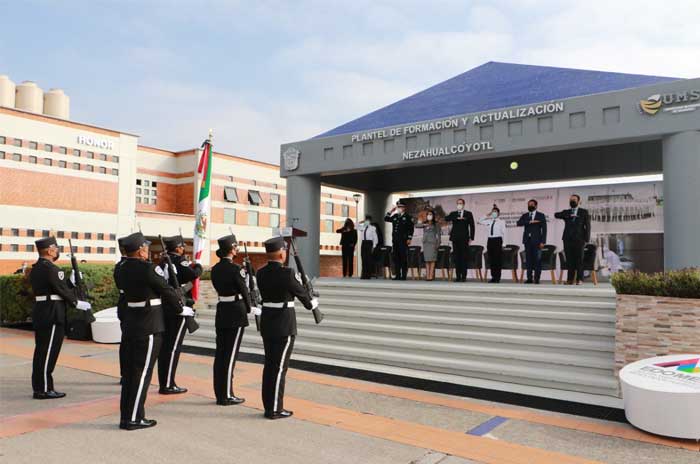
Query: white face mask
{"x": 430, "y": 217}
{"x": 460, "y": 206}
{"x": 494, "y": 215}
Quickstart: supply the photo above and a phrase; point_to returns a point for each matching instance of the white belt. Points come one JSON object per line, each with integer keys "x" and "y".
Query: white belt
{"x": 229, "y": 298}
{"x": 290, "y": 304}
{"x": 121, "y": 291}
{"x": 49, "y": 297}
{"x": 142, "y": 304}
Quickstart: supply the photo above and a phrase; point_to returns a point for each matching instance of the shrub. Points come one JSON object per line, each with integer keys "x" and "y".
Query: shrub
{"x": 16, "y": 298}
{"x": 684, "y": 283}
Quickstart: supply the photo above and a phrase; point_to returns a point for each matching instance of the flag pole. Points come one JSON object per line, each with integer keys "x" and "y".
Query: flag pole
{"x": 201, "y": 241}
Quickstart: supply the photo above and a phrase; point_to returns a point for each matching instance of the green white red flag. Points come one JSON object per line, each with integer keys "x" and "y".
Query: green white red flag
{"x": 201, "y": 240}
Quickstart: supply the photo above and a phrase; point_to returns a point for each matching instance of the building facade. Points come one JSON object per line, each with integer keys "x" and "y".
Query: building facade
{"x": 92, "y": 185}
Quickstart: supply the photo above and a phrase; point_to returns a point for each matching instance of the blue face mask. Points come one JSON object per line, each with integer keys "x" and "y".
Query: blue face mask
{"x": 494, "y": 215}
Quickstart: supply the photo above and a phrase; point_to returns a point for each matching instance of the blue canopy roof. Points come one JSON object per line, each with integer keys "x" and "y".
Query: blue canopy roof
{"x": 495, "y": 85}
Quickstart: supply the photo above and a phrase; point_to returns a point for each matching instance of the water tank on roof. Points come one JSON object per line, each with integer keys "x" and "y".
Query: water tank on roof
{"x": 56, "y": 104}
{"x": 29, "y": 97}
{"x": 7, "y": 92}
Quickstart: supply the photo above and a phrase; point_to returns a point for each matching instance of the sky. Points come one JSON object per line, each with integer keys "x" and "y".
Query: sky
{"x": 262, "y": 73}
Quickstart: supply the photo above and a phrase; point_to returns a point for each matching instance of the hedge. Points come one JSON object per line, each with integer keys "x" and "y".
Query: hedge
{"x": 684, "y": 283}
{"x": 16, "y": 298}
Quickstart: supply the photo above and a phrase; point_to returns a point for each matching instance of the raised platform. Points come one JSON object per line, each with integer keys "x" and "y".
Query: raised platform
{"x": 549, "y": 341}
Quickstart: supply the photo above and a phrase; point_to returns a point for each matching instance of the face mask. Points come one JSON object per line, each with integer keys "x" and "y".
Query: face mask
{"x": 573, "y": 204}
{"x": 531, "y": 208}
{"x": 58, "y": 254}
{"x": 494, "y": 215}
{"x": 430, "y": 217}
{"x": 460, "y": 206}
{"x": 401, "y": 210}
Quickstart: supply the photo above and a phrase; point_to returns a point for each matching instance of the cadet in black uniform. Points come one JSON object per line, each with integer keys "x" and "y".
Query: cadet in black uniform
{"x": 174, "y": 323}
{"x": 278, "y": 323}
{"x": 229, "y": 280}
{"x": 51, "y": 294}
{"x": 121, "y": 306}
{"x": 145, "y": 293}
{"x": 401, "y": 236}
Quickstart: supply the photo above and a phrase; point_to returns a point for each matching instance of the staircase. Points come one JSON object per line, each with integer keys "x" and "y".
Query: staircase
{"x": 544, "y": 340}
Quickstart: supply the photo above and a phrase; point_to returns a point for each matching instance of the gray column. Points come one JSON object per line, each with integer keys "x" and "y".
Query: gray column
{"x": 304, "y": 212}
{"x": 681, "y": 164}
{"x": 376, "y": 205}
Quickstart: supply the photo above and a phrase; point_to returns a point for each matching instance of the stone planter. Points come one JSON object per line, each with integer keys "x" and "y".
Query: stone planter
{"x": 649, "y": 326}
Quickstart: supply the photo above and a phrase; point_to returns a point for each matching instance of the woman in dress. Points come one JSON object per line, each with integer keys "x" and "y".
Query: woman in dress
{"x": 431, "y": 242}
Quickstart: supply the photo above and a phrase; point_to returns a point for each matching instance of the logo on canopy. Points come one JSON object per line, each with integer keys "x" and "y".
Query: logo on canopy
{"x": 291, "y": 158}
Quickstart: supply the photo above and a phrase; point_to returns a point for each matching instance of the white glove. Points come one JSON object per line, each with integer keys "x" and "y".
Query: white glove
{"x": 257, "y": 310}
{"x": 187, "y": 311}
{"x": 83, "y": 305}
{"x": 314, "y": 303}
{"x": 72, "y": 276}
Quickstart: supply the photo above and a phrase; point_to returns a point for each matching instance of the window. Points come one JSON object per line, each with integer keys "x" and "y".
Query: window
{"x": 112, "y": 251}
{"x": 62, "y": 249}
{"x": 252, "y": 218}
{"x": 87, "y": 249}
{"x": 103, "y": 157}
{"x": 3, "y": 140}
{"x": 254, "y": 198}
{"x": 76, "y": 166}
{"x": 138, "y": 181}
{"x": 90, "y": 154}
{"x": 2, "y": 155}
{"x": 138, "y": 199}
{"x": 154, "y": 184}
{"x": 153, "y": 201}
{"x": 30, "y": 232}
{"x": 47, "y": 161}
{"x": 345, "y": 211}
{"x": 48, "y": 147}
{"x": 115, "y": 172}
{"x": 112, "y": 236}
{"x": 18, "y": 142}
{"x": 15, "y": 232}
{"x": 29, "y": 248}
{"x": 230, "y": 194}
{"x": 90, "y": 168}
{"x": 14, "y": 247}
{"x": 329, "y": 225}
{"x": 88, "y": 235}
{"x": 32, "y": 159}
{"x": 16, "y": 157}
{"x": 63, "y": 150}
{"x": 62, "y": 164}
{"x": 146, "y": 183}
{"x": 45, "y": 233}
{"x": 100, "y": 250}
{"x": 115, "y": 159}
{"x": 329, "y": 208}
{"x": 103, "y": 170}
{"x": 76, "y": 152}
{"x": 274, "y": 220}
{"x": 100, "y": 236}
{"x": 60, "y": 234}
{"x": 146, "y": 195}
{"x": 33, "y": 145}
{"x": 73, "y": 235}
{"x": 274, "y": 200}
{"x": 138, "y": 190}
{"x": 229, "y": 216}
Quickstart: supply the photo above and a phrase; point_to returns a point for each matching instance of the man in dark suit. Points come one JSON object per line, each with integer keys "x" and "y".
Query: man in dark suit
{"x": 577, "y": 232}
{"x": 534, "y": 239}
{"x": 461, "y": 234}
{"x": 401, "y": 236}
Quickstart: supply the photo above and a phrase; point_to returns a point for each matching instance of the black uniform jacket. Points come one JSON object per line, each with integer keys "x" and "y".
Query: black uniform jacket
{"x": 229, "y": 279}
{"x": 533, "y": 233}
{"x": 462, "y": 228}
{"x": 143, "y": 281}
{"x": 278, "y": 284}
{"x": 48, "y": 279}
{"x": 401, "y": 227}
{"x": 576, "y": 228}
{"x": 186, "y": 273}
{"x": 121, "y": 302}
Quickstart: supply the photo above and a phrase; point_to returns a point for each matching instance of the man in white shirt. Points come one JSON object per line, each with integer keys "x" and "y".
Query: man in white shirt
{"x": 368, "y": 241}
{"x": 494, "y": 246}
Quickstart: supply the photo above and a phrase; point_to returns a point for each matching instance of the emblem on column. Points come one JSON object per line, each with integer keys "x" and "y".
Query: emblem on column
{"x": 291, "y": 158}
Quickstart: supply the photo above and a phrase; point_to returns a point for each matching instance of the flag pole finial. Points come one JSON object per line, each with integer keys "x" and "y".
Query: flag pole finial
{"x": 211, "y": 134}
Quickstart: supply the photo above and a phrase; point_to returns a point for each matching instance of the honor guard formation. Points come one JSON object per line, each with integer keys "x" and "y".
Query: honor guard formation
{"x": 155, "y": 312}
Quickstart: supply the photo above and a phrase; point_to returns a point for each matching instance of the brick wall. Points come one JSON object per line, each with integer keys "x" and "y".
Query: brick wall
{"x": 650, "y": 326}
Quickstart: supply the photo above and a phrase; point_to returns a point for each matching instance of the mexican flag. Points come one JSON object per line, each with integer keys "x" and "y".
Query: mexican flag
{"x": 201, "y": 242}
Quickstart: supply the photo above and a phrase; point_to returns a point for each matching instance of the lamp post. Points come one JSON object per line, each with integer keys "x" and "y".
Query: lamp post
{"x": 356, "y": 197}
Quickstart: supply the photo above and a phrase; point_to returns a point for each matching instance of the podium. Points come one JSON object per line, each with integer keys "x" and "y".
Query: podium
{"x": 288, "y": 233}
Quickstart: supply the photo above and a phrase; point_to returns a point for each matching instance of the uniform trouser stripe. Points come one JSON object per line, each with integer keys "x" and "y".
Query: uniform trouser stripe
{"x": 48, "y": 356}
{"x": 281, "y": 370}
{"x": 143, "y": 377}
{"x": 169, "y": 380}
{"x": 229, "y": 377}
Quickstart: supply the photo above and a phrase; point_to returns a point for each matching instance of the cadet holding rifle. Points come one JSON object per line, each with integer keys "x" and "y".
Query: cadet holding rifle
{"x": 255, "y": 298}
{"x": 51, "y": 294}
{"x": 180, "y": 274}
{"x": 229, "y": 280}
{"x": 278, "y": 325}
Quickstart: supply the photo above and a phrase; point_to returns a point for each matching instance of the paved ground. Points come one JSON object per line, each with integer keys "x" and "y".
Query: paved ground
{"x": 336, "y": 420}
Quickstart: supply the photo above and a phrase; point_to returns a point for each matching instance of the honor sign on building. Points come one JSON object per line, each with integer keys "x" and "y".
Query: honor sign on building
{"x": 558, "y": 124}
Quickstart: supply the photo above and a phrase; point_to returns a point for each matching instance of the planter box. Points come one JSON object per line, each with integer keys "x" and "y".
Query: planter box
{"x": 649, "y": 326}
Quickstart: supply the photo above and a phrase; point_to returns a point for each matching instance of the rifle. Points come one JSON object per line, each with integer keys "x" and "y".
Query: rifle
{"x": 80, "y": 287}
{"x": 191, "y": 323}
{"x": 255, "y": 296}
{"x": 308, "y": 286}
